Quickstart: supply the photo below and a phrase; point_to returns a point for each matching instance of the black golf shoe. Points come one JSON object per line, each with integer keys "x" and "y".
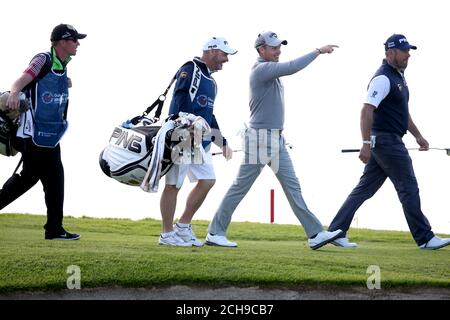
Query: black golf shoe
{"x": 64, "y": 235}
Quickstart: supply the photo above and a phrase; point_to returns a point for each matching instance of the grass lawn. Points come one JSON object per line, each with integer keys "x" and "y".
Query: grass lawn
{"x": 126, "y": 253}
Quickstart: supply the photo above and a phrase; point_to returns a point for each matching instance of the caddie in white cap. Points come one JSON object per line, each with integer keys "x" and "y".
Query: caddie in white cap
{"x": 219, "y": 43}
{"x": 215, "y": 53}
{"x": 195, "y": 92}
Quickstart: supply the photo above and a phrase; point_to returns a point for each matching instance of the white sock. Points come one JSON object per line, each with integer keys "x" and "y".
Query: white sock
{"x": 183, "y": 225}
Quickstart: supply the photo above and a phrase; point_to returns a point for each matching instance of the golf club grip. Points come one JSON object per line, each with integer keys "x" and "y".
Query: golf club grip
{"x": 217, "y": 153}
{"x": 286, "y": 144}
{"x": 350, "y": 150}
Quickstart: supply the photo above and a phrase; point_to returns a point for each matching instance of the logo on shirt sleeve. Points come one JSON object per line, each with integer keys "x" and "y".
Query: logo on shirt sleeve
{"x": 374, "y": 94}
{"x": 202, "y": 100}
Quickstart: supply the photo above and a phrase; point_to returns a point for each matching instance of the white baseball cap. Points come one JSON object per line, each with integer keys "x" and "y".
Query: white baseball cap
{"x": 218, "y": 43}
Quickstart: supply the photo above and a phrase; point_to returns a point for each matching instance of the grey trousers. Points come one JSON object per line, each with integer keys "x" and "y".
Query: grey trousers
{"x": 277, "y": 157}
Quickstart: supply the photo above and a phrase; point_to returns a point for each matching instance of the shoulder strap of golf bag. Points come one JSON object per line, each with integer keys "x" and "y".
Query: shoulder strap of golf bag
{"x": 158, "y": 102}
{"x": 18, "y": 165}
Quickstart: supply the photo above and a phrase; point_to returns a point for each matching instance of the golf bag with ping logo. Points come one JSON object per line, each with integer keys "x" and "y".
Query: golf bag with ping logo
{"x": 127, "y": 156}
{"x": 129, "y": 152}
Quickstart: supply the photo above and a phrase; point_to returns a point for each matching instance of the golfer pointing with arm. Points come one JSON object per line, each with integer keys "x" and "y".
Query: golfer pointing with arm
{"x": 264, "y": 143}
{"x": 385, "y": 119}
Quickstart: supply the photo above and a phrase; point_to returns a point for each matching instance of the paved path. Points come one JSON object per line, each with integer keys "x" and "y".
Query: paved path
{"x": 235, "y": 293}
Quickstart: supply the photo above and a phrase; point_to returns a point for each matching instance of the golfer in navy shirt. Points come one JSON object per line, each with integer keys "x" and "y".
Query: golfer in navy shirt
{"x": 385, "y": 119}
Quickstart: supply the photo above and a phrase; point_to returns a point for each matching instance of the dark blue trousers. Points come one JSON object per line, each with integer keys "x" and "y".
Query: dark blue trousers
{"x": 389, "y": 159}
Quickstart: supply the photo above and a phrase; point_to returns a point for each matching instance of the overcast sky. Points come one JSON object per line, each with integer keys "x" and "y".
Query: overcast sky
{"x": 133, "y": 48}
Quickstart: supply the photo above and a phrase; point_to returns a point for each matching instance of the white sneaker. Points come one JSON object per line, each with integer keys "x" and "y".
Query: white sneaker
{"x": 187, "y": 235}
{"x": 171, "y": 239}
{"x": 435, "y": 243}
{"x": 220, "y": 241}
{"x": 323, "y": 237}
{"x": 343, "y": 242}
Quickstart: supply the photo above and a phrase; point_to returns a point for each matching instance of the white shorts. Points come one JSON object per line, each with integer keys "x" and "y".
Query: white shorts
{"x": 195, "y": 172}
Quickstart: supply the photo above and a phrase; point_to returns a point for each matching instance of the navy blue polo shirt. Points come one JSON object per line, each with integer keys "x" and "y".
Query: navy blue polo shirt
{"x": 392, "y": 113}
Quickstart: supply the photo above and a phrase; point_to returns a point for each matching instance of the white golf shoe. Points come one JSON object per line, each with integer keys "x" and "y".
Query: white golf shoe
{"x": 343, "y": 242}
{"x": 435, "y": 243}
{"x": 322, "y": 238}
{"x": 221, "y": 241}
{"x": 171, "y": 239}
{"x": 187, "y": 235}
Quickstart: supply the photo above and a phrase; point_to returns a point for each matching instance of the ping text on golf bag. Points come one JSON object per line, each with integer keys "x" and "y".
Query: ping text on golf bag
{"x": 127, "y": 156}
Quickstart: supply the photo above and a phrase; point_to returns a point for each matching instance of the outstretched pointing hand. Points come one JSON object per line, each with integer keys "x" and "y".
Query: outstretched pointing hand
{"x": 328, "y": 48}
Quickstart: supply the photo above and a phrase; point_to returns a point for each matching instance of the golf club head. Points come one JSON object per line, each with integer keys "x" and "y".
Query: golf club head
{"x": 448, "y": 151}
